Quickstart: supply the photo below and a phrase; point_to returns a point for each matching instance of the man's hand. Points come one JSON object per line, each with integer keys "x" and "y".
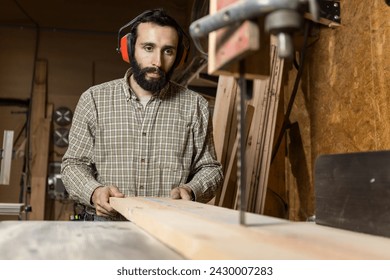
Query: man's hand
{"x": 182, "y": 192}
{"x": 100, "y": 198}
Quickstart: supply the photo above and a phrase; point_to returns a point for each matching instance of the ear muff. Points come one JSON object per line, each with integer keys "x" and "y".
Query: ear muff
{"x": 126, "y": 42}
{"x": 125, "y": 47}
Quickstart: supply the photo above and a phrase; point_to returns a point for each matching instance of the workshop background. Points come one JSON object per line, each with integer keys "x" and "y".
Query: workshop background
{"x": 342, "y": 103}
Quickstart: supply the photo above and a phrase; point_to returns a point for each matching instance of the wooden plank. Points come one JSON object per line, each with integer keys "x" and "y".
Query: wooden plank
{"x": 203, "y": 231}
{"x": 259, "y": 146}
{"x": 223, "y": 115}
{"x": 48, "y": 240}
{"x": 229, "y": 188}
{"x": 254, "y": 145}
{"x": 273, "y": 93}
{"x": 39, "y": 94}
{"x": 6, "y": 157}
{"x": 39, "y": 163}
{"x": 230, "y": 44}
{"x": 224, "y": 122}
{"x": 39, "y": 138}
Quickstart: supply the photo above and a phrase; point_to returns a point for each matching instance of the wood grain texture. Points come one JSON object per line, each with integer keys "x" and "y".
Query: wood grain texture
{"x": 39, "y": 135}
{"x": 223, "y": 118}
{"x": 202, "y": 231}
{"x": 44, "y": 240}
{"x": 349, "y": 73}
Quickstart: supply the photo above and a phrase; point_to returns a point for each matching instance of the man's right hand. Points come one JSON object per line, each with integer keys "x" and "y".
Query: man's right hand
{"x": 100, "y": 199}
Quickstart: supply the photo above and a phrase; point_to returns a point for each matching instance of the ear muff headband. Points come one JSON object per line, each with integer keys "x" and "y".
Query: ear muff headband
{"x": 126, "y": 42}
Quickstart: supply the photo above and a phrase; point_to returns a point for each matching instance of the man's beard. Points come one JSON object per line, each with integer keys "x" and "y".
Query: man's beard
{"x": 152, "y": 85}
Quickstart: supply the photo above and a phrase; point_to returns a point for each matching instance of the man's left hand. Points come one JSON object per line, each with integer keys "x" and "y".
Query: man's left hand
{"x": 182, "y": 192}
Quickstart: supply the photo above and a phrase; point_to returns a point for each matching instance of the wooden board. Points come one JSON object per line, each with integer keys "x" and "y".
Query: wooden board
{"x": 352, "y": 191}
{"x": 270, "y": 105}
{"x": 229, "y": 187}
{"x": 47, "y": 240}
{"x": 39, "y": 139}
{"x": 40, "y": 147}
{"x": 203, "y": 231}
{"x": 223, "y": 118}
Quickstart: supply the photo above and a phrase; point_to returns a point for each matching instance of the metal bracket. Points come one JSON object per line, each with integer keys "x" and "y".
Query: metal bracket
{"x": 330, "y": 10}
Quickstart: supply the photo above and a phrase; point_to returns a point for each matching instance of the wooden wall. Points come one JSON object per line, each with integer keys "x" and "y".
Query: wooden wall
{"x": 343, "y": 101}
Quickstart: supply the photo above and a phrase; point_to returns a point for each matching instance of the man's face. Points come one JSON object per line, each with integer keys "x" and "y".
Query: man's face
{"x": 154, "y": 54}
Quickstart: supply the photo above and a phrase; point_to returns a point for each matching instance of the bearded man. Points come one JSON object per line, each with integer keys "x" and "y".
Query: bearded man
{"x": 142, "y": 135}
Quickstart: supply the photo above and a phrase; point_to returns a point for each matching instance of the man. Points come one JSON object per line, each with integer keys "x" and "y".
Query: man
{"x": 142, "y": 135}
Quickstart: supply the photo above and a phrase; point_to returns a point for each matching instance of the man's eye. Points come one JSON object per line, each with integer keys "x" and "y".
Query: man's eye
{"x": 169, "y": 51}
{"x": 148, "y": 48}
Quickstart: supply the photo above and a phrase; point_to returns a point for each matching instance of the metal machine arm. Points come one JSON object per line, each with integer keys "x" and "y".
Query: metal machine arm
{"x": 282, "y": 17}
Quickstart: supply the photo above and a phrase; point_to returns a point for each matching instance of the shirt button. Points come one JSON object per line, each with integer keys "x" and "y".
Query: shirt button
{"x": 143, "y": 133}
{"x": 141, "y": 187}
{"x": 142, "y": 160}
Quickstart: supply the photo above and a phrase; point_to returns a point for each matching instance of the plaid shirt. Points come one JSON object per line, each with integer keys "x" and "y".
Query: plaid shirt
{"x": 147, "y": 151}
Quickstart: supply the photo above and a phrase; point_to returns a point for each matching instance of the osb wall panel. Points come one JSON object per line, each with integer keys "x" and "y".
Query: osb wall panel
{"x": 349, "y": 83}
{"x": 344, "y": 97}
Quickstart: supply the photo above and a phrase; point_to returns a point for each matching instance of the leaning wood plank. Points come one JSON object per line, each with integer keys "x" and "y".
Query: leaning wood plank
{"x": 267, "y": 143}
{"x": 40, "y": 156}
{"x": 229, "y": 187}
{"x": 223, "y": 115}
{"x": 252, "y": 144}
{"x": 39, "y": 138}
{"x": 255, "y": 148}
{"x": 230, "y": 178}
{"x": 203, "y": 231}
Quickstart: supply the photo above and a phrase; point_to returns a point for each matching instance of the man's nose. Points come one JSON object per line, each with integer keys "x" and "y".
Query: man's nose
{"x": 157, "y": 59}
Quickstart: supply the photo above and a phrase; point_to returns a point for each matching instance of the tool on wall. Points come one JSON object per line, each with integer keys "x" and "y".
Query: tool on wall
{"x": 282, "y": 18}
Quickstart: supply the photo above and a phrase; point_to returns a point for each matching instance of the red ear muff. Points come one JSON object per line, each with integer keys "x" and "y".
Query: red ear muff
{"x": 124, "y": 48}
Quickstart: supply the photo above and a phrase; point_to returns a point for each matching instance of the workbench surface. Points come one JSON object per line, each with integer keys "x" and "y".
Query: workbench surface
{"x": 52, "y": 240}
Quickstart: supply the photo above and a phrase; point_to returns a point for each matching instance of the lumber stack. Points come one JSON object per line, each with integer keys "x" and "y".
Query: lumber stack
{"x": 260, "y": 122}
